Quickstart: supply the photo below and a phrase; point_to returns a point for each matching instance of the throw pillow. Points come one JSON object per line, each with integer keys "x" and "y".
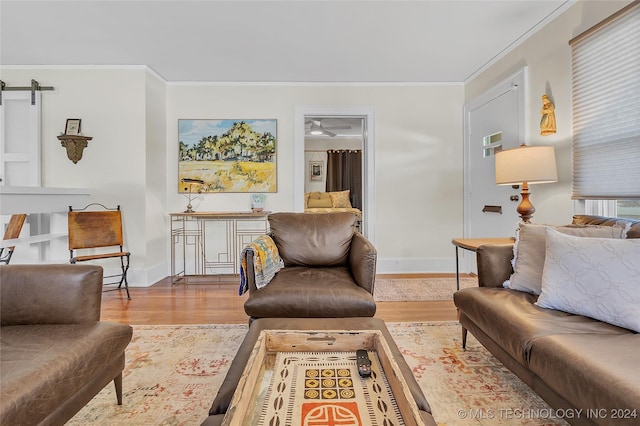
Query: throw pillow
{"x": 529, "y": 251}
{"x": 306, "y": 199}
{"x": 593, "y": 277}
{"x": 340, "y": 199}
{"x": 319, "y": 200}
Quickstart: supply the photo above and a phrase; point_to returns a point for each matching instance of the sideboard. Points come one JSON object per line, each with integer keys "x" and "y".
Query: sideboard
{"x": 210, "y": 243}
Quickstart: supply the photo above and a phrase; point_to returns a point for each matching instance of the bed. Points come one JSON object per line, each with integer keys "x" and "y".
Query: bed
{"x": 331, "y": 202}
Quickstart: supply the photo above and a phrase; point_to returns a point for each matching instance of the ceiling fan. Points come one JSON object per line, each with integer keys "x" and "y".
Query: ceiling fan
{"x": 316, "y": 128}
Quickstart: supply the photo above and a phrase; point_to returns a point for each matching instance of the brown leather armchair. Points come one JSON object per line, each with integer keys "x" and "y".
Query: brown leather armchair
{"x": 329, "y": 269}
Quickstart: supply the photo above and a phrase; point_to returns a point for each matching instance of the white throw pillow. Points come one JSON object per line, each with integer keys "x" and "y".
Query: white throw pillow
{"x": 529, "y": 251}
{"x": 593, "y": 277}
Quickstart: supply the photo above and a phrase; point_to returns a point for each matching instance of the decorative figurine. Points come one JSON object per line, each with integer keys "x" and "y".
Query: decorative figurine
{"x": 548, "y": 120}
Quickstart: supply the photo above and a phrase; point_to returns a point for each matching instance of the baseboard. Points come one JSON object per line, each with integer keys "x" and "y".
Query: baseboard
{"x": 143, "y": 277}
{"x": 416, "y": 265}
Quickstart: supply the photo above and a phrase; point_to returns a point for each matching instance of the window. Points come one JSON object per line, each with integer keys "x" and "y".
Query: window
{"x": 606, "y": 106}
{"x": 629, "y": 209}
{"x": 492, "y": 144}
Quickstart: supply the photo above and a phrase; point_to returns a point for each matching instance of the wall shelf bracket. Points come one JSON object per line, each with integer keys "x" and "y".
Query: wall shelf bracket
{"x": 75, "y": 145}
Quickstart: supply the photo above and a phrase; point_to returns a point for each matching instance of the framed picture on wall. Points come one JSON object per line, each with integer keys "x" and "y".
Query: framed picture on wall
{"x": 316, "y": 170}
{"x": 72, "y": 127}
{"x": 236, "y": 155}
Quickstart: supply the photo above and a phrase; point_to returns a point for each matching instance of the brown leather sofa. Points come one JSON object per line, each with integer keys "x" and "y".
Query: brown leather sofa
{"x": 56, "y": 354}
{"x": 329, "y": 269}
{"x": 585, "y": 369}
{"x": 227, "y": 389}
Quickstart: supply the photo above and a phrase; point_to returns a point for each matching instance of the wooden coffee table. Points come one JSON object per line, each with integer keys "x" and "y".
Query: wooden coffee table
{"x": 298, "y": 377}
{"x": 294, "y": 333}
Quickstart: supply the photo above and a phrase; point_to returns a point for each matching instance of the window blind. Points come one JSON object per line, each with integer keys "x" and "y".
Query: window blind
{"x": 606, "y": 108}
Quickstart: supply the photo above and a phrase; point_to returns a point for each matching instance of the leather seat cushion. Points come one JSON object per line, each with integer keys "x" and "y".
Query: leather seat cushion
{"x": 313, "y": 239}
{"x": 37, "y": 361}
{"x": 605, "y": 364}
{"x": 299, "y": 292}
{"x": 510, "y": 318}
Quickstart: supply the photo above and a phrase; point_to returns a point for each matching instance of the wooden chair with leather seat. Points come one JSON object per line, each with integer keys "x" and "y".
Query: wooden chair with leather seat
{"x": 13, "y": 231}
{"x": 100, "y": 230}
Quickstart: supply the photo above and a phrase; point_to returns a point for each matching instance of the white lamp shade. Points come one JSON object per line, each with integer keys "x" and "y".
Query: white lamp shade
{"x": 531, "y": 164}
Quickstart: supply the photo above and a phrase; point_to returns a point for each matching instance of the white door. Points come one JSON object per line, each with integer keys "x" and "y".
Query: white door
{"x": 20, "y": 139}
{"x": 495, "y": 121}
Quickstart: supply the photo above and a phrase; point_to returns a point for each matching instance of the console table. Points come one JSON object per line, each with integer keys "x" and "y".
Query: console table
{"x": 210, "y": 243}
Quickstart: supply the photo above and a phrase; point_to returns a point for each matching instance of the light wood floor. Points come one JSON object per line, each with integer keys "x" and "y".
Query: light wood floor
{"x": 215, "y": 300}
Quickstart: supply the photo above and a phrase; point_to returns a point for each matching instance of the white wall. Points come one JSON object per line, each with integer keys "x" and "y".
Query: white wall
{"x": 132, "y": 159}
{"x": 418, "y": 151}
{"x": 548, "y": 57}
{"x": 157, "y": 225}
{"x": 122, "y": 109}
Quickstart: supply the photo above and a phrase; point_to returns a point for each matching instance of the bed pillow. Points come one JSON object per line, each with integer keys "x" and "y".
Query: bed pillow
{"x": 529, "y": 251}
{"x": 340, "y": 199}
{"x": 593, "y": 277}
{"x": 319, "y": 200}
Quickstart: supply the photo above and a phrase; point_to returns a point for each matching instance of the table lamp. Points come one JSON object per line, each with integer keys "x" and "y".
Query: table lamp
{"x": 190, "y": 197}
{"x": 523, "y": 166}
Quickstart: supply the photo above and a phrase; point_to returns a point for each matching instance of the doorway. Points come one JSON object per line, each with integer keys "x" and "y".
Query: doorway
{"x": 301, "y": 163}
{"x": 333, "y": 156}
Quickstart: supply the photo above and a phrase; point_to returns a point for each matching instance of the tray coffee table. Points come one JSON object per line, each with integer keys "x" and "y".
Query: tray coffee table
{"x": 302, "y": 366}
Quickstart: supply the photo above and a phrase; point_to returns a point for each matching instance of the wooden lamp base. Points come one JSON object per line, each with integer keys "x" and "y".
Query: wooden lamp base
{"x": 525, "y": 208}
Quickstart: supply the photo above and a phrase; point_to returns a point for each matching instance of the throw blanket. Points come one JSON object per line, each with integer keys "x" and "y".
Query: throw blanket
{"x": 266, "y": 262}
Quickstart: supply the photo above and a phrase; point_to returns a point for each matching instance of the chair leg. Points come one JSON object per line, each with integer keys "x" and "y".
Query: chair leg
{"x": 7, "y": 257}
{"x": 464, "y": 338}
{"x": 125, "y": 269}
{"x": 118, "y": 384}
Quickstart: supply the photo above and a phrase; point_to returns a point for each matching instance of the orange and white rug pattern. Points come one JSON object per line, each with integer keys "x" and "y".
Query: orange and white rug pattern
{"x": 325, "y": 389}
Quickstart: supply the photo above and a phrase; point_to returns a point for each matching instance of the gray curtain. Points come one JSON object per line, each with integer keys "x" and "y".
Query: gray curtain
{"x": 344, "y": 171}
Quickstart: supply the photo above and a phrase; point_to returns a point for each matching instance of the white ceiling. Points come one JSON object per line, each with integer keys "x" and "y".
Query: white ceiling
{"x": 273, "y": 41}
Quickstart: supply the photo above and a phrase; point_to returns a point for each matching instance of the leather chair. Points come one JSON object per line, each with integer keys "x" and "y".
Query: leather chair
{"x": 329, "y": 269}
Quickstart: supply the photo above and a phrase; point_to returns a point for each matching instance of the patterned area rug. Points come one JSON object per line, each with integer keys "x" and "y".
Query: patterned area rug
{"x": 171, "y": 376}
{"x": 173, "y": 372}
{"x": 419, "y": 289}
{"x": 466, "y": 387}
{"x": 327, "y": 389}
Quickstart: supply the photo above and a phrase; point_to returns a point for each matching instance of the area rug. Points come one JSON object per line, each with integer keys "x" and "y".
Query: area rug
{"x": 419, "y": 289}
{"x": 172, "y": 374}
{"x": 326, "y": 386}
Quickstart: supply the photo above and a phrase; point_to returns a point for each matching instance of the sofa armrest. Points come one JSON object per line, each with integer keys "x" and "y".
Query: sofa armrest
{"x": 362, "y": 261}
{"x": 494, "y": 264}
{"x": 50, "y": 294}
